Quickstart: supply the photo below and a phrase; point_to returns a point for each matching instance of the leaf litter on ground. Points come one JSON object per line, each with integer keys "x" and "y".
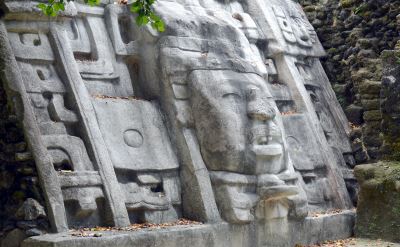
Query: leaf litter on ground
{"x": 96, "y": 231}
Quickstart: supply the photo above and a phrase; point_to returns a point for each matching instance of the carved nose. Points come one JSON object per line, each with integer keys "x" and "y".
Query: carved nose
{"x": 258, "y": 107}
{"x": 304, "y": 35}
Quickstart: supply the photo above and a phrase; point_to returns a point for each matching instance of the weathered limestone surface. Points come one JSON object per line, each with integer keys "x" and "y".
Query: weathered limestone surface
{"x": 21, "y": 198}
{"x": 390, "y": 101}
{"x": 310, "y": 230}
{"x": 226, "y": 118}
{"x": 378, "y": 211}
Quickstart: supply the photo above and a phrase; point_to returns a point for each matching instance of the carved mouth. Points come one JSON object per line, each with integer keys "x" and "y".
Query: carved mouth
{"x": 263, "y": 135}
{"x": 148, "y": 202}
{"x": 263, "y": 140}
{"x": 270, "y": 150}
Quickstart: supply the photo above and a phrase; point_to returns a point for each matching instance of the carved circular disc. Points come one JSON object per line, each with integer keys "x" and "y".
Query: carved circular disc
{"x": 133, "y": 138}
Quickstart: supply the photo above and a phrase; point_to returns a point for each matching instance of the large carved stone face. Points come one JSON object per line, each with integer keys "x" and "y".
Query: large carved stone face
{"x": 235, "y": 123}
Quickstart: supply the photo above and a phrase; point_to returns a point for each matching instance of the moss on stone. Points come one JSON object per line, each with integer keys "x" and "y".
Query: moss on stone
{"x": 390, "y": 54}
{"x": 346, "y": 3}
{"x": 378, "y": 212}
{"x": 372, "y": 115}
{"x": 362, "y": 10}
{"x": 393, "y": 148}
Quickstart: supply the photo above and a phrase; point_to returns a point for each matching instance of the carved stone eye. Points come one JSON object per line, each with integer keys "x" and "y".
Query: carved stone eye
{"x": 232, "y": 96}
{"x": 44, "y": 73}
{"x": 238, "y": 17}
{"x": 41, "y": 75}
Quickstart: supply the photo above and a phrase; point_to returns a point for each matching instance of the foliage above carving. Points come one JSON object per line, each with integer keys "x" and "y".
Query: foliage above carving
{"x": 142, "y": 8}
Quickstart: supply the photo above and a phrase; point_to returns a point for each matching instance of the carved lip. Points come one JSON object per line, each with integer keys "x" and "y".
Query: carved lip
{"x": 279, "y": 191}
{"x": 269, "y": 150}
{"x": 146, "y": 204}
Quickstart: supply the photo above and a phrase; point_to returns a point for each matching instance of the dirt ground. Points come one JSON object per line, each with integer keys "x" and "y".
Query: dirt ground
{"x": 353, "y": 242}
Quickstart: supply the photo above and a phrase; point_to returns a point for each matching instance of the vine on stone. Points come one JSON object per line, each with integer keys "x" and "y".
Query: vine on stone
{"x": 141, "y": 7}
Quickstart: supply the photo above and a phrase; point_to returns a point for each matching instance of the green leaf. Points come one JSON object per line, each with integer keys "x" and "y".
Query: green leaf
{"x": 154, "y": 17}
{"x": 49, "y": 10}
{"x": 42, "y": 6}
{"x": 92, "y": 2}
{"x": 139, "y": 20}
{"x": 160, "y": 26}
{"x": 141, "y": 7}
{"x": 59, "y": 6}
{"x": 142, "y": 20}
{"x": 136, "y": 7}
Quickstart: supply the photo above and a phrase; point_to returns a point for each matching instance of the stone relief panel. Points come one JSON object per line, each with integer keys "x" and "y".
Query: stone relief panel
{"x": 307, "y": 159}
{"x": 136, "y": 138}
{"x": 227, "y": 115}
{"x": 327, "y": 115}
{"x": 291, "y": 57}
{"x": 58, "y": 123}
{"x": 145, "y": 164}
{"x": 234, "y": 118}
{"x": 109, "y": 146}
{"x": 240, "y": 140}
{"x": 287, "y": 31}
{"x": 294, "y": 26}
{"x": 102, "y": 72}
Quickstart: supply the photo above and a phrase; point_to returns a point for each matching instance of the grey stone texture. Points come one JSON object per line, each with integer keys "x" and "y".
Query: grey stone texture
{"x": 13, "y": 238}
{"x": 226, "y": 118}
{"x": 378, "y": 211}
{"x": 390, "y": 101}
{"x": 355, "y": 33}
{"x": 30, "y": 210}
{"x": 310, "y": 230}
{"x": 19, "y": 182}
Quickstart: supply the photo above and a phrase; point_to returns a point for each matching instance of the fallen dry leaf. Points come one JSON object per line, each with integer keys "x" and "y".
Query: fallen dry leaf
{"x": 96, "y": 231}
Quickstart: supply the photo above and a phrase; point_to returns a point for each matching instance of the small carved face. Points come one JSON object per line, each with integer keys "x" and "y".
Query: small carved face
{"x": 294, "y": 25}
{"x": 302, "y": 29}
{"x": 235, "y": 123}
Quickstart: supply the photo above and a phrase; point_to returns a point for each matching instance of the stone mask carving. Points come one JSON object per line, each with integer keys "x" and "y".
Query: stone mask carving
{"x": 229, "y": 109}
{"x": 235, "y": 124}
{"x": 241, "y": 143}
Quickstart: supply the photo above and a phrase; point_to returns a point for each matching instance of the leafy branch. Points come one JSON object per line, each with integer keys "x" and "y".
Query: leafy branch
{"x": 146, "y": 14}
{"x": 141, "y": 7}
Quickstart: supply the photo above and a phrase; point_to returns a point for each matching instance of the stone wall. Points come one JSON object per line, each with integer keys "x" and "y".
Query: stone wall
{"x": 363, "y": 64}
{"x": 378, "y": 212}
{"x": 354, "y": 33}
{"x": 21, "y": 213}
{"x": 390, "y": 104}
